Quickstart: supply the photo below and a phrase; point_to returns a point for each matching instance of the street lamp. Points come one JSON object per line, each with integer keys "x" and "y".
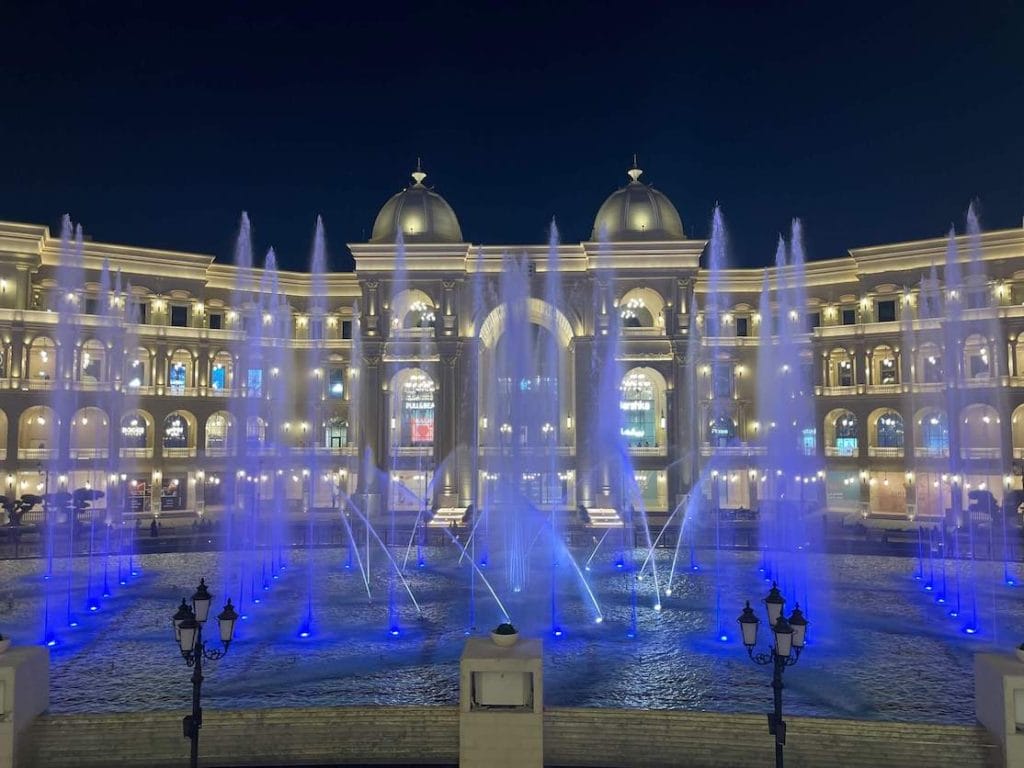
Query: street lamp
{"x": 790, "y": 636}
{"x": 188, "y": 632}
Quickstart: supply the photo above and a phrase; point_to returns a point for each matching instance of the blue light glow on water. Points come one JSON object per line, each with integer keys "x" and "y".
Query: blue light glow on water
{"x": 675, "y": 658}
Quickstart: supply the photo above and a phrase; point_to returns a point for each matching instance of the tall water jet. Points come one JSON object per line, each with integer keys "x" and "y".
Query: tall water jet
{"x": 315, "y": 415}
{"x": 720, "y": 383}
{"x": 243, "y": 406}
{"x": 550, "y": 374}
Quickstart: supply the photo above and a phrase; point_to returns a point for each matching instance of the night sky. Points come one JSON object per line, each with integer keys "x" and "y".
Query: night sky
{"x": 156, "y": 124}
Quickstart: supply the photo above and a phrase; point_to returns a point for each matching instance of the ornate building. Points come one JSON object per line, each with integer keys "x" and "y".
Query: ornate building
{"x": 162, "y": 380}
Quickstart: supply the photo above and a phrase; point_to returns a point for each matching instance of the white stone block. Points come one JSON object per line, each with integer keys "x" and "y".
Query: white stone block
{"x": 501, "y": 705}
{"x": 999, "y": 702}
{"x": 24, "y": 694}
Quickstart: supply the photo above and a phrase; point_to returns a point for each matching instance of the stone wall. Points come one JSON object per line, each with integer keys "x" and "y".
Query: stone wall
{"x": 429, "y": 736}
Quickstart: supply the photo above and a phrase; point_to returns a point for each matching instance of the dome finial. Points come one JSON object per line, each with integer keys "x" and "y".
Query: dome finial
{"x": 418, "y": 175}
{"x": 635, "y": 171}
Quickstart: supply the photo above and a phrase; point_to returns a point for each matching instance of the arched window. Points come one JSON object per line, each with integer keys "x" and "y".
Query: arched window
{"x": 889, "y": 430}
{"x": 886, "y": 370}
{"x": 179, "y": 372}
{"x": 336, "y": 433}
{"x": 134, "y": 430}
{"x": 176, "y": 431}
{"x": 641, "y": 308}
{"x": 255, "y": 431}
{"x": 841, "y": 368}
{"x": 841, "y": 427}
{"x": 412, "y": 309}
{"x": 42, "y": 359}
{"x": 218, "y": 432}
{"x": 89, "y": 432}
{"x": 92, "y": 362}
{"x": 930, "y": 365}
{"x": 137, "y": 369}
{"x": 933, "y": 433}
{"x": 980, "y": 432}
{"x": 420, "y": 315}
{"x": 977, "y": 360}
{"x": 221, "y": 371}
{"x": 37, "y": 428}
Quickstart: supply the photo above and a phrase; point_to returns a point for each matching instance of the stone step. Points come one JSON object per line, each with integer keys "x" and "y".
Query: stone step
{"x": 429, "y": 735}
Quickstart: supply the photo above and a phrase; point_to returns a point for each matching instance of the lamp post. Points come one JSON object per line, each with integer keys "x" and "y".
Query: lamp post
{"x": 790, "y": 635}
{"x": 188, "y": 631}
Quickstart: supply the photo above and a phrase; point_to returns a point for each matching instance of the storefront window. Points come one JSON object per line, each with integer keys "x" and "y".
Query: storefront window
{"x": 637, "y": 406}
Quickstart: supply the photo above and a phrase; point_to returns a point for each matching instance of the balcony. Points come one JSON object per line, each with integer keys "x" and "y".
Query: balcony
{"x": 136, "y": 453}
{"x": 648, "y": 450}
{"x": 923, "y": 452}
{"x": 733, "y": 450}
{"x": 425, "y": 451}
{"x": 216, "y": 452}
{"x": 884, "y": 389}
{"x": 833, "y": 451}
{"x": 88, "y": 453}
{"x": 558, "y": 450}
{"x": 37, "y": 454}
{"x": 838, "y": 391}
{"x": 980, "y": 453}
{"x": 877, "y": 452}
{"x": 179, "y": 453}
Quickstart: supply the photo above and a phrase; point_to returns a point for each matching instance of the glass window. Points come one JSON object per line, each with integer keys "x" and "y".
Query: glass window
{"x": 846, "y": 435}
{"x": 254, "y": 382}
{"x": 134, "y": 431}
{"x": 845, "y": 369}
{"x": 721, "y": 380}
{"x": 177, "y": 376}
{"x": 137, "y": 312}
{"x": 316, "y": 330}
{"x": 218, "y": 376}
{"x": 932, "y": 364}
{"x": 346, "y": 329}
{"x": 217, "y": 431}
{"x": 337, "y": 433}
{"x": 417, "y": 410}
{"x": 742, "y": 326}
{"x": 935, "y": 433}
{"x": 336, "y": 382}
{"x": 890, "y": 430}
{"x": 722, "y": 431}
{"x": 887, "y": 311}
{"x": 136, "y": 373}
{"x": 809, "y": 441}
{"x": 179, "y": 316}
{"x": 849, "y": 317}
{"x": 813, "y": 320}
{"x": 887, "y": 372}
{"x": 637, "y": 406}
{"x": 216, "y": 321}
{"x": 175, "y": 431}
{"x": 92, "y": 306}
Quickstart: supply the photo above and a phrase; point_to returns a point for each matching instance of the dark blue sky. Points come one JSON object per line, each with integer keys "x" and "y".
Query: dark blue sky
{"x": 156, "y": 124}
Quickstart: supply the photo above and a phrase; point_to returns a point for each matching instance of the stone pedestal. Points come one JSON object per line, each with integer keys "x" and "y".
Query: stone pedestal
{"x": 24, "y": 694}
{"x": 501, "y": 705}
{"x": 999, "y": 702}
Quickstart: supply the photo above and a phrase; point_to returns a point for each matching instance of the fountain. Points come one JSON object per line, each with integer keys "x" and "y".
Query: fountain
{"x": 599, "y": 570}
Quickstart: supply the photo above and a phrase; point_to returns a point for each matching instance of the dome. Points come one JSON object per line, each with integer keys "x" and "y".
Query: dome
{"x": 419, "y": 213}
{"x": 638, "y": 212}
